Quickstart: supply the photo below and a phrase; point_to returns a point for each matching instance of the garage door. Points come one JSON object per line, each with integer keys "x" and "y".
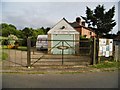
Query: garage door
{"x": 66, "y": 37}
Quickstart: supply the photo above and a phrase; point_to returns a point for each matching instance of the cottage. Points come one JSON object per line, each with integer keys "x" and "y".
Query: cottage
{"x": 63, "y": 33}
{"x": 80, "y": 27}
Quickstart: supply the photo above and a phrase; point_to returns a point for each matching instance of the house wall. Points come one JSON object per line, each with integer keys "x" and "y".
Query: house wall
{"x": 79, "y": 30}
{"x": 83, "y": 31}
{"x": 87, "y": 32}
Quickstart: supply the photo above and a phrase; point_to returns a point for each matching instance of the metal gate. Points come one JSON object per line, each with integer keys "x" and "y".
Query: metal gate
{"x": 12, "y": 56}
{"x": 82, "y": 55}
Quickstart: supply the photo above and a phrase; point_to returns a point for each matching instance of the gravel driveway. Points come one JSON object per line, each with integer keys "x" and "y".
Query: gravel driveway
{"x": 19, "y": 58}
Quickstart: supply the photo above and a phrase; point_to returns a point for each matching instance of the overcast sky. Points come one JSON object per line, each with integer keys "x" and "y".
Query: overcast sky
{"x": 47, "y": 14}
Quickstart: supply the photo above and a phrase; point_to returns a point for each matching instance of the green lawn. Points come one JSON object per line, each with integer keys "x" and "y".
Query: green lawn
{"x": 4, "y": 47}
{"x": 22, "y": 48}
{"x": 1, "y": 37}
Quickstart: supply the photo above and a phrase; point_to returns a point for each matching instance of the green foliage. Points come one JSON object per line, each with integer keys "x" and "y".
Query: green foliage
{"x": 118, "y": 33}
{"x": 7, "y": 29}
{"x": 83, "y": 37}
{"x": 12, "y": 39}
{"x": 107, "y": 64}
{"x": 27, "y": 32}
{"x": 4, "y": 42}
{"x": 100, "y": 20}
{"x": 3, "y": 56}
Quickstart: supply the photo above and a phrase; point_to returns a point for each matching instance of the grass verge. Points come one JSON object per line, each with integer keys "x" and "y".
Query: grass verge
{"x": 107, "y": 64}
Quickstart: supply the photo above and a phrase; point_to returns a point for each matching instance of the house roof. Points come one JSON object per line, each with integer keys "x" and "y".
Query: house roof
{"x": 63, "y": 27}
{"x": 117, "y": 37}
{"x": 72, "y": 25}
{"x": 76, "y": 25}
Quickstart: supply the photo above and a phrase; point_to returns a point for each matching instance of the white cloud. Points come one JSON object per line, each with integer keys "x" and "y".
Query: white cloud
{"x": 38, "y": 14}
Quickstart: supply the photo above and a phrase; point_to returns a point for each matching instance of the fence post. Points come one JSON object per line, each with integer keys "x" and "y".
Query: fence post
{"x": 94, "y": 51}
{"x": 62, "y": 52}
{"x": 28, "y": 52}
{"x": 91, "y": 52}
{"x": 116, "y": 53}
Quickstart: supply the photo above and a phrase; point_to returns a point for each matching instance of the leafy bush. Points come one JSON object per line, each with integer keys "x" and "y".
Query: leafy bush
{"x": 4, "y": 42}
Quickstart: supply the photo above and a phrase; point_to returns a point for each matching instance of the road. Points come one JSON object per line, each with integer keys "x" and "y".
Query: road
{"x": 82, "y": 80}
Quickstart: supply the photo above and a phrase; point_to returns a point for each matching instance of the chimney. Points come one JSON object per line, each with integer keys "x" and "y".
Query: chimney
{"x": 83, "y": 23}
{"x": 78, "y": 20}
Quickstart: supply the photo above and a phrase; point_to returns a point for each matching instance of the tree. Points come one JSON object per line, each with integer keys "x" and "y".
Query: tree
{"x": 47, "y": 29}
{"x": 12, "y": 26}
{"x": 118, "y": 33}
{"x": 99, "y": 20}
{"x": 27, "y": 32}
{"x": 7, "y": 29}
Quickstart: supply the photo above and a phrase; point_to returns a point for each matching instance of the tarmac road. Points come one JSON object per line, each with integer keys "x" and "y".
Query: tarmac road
{"x": 82, "y": 80}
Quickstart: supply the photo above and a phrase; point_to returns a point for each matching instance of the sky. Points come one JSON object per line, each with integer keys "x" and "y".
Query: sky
{"x": 36, "y": 14}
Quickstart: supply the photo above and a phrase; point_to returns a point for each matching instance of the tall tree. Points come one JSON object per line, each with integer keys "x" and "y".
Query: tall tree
{"x": 27, "y": 32}
{"x": 99, "y": 20}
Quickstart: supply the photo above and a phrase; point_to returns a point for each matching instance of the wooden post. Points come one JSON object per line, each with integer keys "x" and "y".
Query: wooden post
{"x": 94, "y": 51}
{"x": 116, "y": 53}
{"x": 97, "y": 51}
{"x": 28, "y": 52}
{"x": 119, "y": 52}
{"x": 91, "y": 52}
{"x": 62, "y": 52}
{"x": 98, "y": 59}
{"x": 33, "y": 50}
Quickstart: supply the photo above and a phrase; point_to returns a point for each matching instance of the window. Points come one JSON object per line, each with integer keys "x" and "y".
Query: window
{"x": 63, "y": 27}
{"x": 90, "y": 33}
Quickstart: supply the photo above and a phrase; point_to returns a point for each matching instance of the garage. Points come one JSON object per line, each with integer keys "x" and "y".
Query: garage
{"x": 68, "y": 38}
{"x": 63, "y": 34}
